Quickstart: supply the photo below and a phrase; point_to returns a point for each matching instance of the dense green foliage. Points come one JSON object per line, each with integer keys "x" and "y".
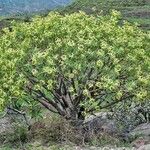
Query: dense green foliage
{"x": 67, "y": 62}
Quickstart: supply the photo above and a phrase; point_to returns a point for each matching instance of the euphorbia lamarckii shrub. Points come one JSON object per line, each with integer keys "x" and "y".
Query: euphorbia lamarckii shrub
{"x": 74, "y": 63}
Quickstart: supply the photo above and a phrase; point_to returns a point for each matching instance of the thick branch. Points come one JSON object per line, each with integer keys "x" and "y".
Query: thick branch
{"x": 45, "y": 104}
{"x": 117, "y": 101}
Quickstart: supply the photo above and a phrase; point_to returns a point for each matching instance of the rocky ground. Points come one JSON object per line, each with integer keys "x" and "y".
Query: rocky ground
{"x": 9, "y": 125}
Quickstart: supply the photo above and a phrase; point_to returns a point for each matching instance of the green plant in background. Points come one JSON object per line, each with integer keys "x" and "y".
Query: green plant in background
{"x": 74, "y": 63}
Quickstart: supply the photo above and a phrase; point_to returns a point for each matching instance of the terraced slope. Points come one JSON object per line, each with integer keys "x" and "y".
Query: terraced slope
{"x": 132, "y": 10}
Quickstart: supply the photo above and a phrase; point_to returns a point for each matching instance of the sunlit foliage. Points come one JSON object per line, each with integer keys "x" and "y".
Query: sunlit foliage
{"x": 74, "y": 61}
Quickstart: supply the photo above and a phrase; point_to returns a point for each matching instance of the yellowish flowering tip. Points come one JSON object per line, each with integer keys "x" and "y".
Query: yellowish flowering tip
{"x": 119, "y": 94}
{"x": 71, "y": 75}
{"x": 75, "y": 71}
{"x": 34, "y": 71}
{"x": 63, "y": 57}
{"x": 85, "y": 92}
{"x": 115, "y": 13}
{"x": 42, "y": 82}
{"x": 99, "y": 84}
{"x": 99, "y": 63}
{"x": 81, "y": 13}
{"x": 90, "y": 85}
{"x": 94, "y": 8}
{"x": 71, "y": 89}
{"x": 50, "y": 84}
{"x": 2, "y": 103}
{"x": 141, "y": 94}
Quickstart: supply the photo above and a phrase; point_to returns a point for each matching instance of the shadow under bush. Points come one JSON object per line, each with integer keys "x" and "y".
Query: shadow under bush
{"x": 59, "y": 131}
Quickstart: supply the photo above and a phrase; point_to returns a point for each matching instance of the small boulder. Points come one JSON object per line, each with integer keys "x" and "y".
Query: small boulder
{"x": 100, "y": 122}
{"x": 11, "y": 125}
{"x": 5, "y": 124}
{"x": 141, "y": 130}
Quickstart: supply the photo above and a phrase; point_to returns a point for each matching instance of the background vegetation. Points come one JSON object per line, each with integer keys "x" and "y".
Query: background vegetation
{"x": 132, "y": 10}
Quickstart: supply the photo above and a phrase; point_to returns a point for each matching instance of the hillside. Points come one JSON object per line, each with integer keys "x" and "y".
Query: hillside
{"x": 13, "y": 7}
{"x": 132, "y": 10}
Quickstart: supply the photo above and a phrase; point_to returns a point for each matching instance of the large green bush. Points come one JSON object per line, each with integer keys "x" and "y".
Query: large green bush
{"x": 74, "y": 63}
